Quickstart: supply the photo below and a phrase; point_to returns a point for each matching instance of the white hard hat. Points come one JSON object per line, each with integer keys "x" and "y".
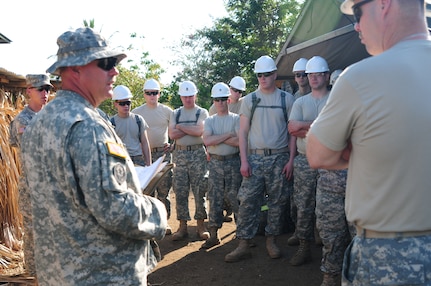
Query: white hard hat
{"x": 264, "y": 64}
{"x": 334, "y": 75}
{"x": 121, "y": 92}
{"x": 316, "y": 64}
{"x": 151, "y": 84}
{"x": 220, "y": 89}
{"x": 187, "y": 88}
{"x": 346, "y": 7}
{"x": 300, "y": 65}
{"x": 238, "y": 83}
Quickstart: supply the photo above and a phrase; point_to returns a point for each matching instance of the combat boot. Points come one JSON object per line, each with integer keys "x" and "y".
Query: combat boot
{"x": 330, "y": 280}
{"x": 181, "y": 232}
{"x": 213, "y": 240}
{"x": 303, "y": 254}
{"x": 202, "y": 230}
{"x": 273, "y": 251}
{"x": 293, "y": 240}
{"x": 240, "y": 253}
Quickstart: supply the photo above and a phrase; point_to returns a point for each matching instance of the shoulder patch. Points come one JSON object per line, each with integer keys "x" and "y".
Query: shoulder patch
{"x": 116, "y": 150}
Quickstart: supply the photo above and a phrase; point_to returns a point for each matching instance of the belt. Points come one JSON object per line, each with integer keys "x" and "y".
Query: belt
{"x": 268, "y": 152}
{"x": 157, "y": 149}
{"x": 188, "y": 147}
{"x": 366, "y": 233}
{"x": 225, "y": 157}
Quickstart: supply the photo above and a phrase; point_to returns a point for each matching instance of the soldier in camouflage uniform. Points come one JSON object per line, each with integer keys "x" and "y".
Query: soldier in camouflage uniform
{"x": 304, "y": 111}
{"x": 264, "y": 151}
{"x": 221, "y": 138}
{"x": 38, "y": 88}
{"x": 92, "y": 224}
{"x": 186, "y": 127}
{"x": 157, "y": 116}
{"x": 369, "y": 119}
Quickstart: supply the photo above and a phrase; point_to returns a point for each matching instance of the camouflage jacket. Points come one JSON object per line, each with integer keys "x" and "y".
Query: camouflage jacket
{"x": 18, "y": 125}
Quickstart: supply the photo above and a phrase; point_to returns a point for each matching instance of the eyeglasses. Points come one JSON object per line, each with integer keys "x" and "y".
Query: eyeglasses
{"x": 107, "y": 64}
{"x": 236, "y": 90}
{"x": 316, "y": 74}
{"x": 220, "y": 99}
{"x": 300, "y": 75}
{"x": 265, "y": 74}
{"x": 153, "y": 93}
{"x": 357, "y": 11}
{"x": 123, "y": 103}
{"x": 46, "y": 88}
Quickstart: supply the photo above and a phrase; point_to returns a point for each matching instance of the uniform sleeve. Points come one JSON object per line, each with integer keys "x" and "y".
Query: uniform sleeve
{"x": 109, "y": 187}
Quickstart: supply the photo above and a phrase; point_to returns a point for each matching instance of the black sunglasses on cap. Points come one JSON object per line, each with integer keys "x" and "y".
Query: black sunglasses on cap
{"x": 300, "y": 75}
{"x": 220, "y": 99}
{"x": 107, "y": 64}
{"x": 154, "y": 93}
{"x": 357, "y": 11}
{"x": 46, "y": 88}
{"x": 123, "y": 103}
{"x": 265, "y": 74}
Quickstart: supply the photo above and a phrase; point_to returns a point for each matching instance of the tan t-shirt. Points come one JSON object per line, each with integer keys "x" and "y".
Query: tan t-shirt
{"x": 383, "y": 105}
{"x": 217, "y": 125}
{"x": 188, "y": 117}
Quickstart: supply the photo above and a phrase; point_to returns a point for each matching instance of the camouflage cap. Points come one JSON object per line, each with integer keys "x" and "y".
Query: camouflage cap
{"x": 37, "y": 80}
{"x": 80, "y": 47}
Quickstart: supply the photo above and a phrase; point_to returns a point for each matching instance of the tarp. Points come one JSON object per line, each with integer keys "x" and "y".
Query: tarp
{"x": 321, "y": 29}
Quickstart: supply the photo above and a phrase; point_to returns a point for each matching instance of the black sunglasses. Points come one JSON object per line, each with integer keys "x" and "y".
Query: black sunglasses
{"x": 154, "y": 93}
{"x": 357, "y": 11}
{"x": 46, "y": 88}
{"x": 107, "y": 64}
{"x": 220, "y": 99}
{"x": 123, "y": 103}
{"x": 236, "y": 90}
{"x": 265, "y": 74}
{"x": 300, "y": 74}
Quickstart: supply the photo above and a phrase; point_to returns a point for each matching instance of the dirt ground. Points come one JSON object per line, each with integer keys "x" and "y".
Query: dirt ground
{"x": 184, "y": 263}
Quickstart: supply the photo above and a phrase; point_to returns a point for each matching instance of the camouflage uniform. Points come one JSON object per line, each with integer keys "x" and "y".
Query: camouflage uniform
{"x": 17, "y": 127}
{"x": 189, "y": 172}
{"x": 92, "y": 224}
{"x": 165, "y": 184}
{"x": 304, "y": 196}
{"x": 331, "y": 219}
{"x": 266, "y": 175}
{"x": 382, "y": 261}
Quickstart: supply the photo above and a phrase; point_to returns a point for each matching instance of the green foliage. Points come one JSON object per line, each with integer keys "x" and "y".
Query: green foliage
{"x": 229, "y": 48}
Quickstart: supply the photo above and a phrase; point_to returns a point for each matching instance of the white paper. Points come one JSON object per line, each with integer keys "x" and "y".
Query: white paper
{"x": 147, "y": 173}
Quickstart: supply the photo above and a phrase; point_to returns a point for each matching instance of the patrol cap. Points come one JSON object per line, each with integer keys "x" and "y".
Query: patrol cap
{"x": 37, "y": 80}
{"x": 80, "y": 47}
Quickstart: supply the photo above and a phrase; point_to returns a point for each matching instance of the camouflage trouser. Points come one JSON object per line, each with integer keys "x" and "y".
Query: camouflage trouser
{"x": 397, "y": 261}
{"x": 138, "y": 160}
{"x": 189, "y": 174}
{"x": 224, "y": 181}
{"x": 25, "y": 208}
{"x": 164, "y": 186}
{"x": 266, "y": 176}
{"x": 304, "y": 197}
{"x": 331, "y": 219}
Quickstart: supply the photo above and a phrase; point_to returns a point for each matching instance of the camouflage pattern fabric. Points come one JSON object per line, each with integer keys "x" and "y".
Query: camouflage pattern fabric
{"x": 304, "y": 197}
{"x": 266, "y": 176}
{"x": 92, "y": 224}
{"x": 189, "y": 175}
{"x": 164, "y": 186}
{"x": 378, "y": 261}
{"x": 224, "y": 180}
{"x": 331, "y": 219}
{"x": 17, "y": 128}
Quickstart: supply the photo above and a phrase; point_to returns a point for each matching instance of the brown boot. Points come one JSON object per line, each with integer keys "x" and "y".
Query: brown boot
{"x": 273, "y": 251}
{"x": 213, "y": 240}
{"x": 240, "y": 253}
{"x": 293, "y": 240}
{"x": 181, "y": 232}
{"x": 202, "y": 230}
{"x": 330, "y": 280}
{"x": 303, "y": 254}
